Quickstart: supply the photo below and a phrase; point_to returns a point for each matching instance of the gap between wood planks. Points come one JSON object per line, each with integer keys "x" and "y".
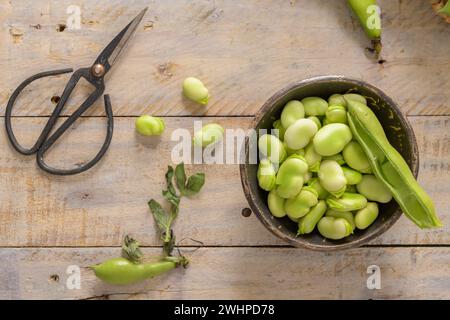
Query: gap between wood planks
{"x": 371, "y": 246}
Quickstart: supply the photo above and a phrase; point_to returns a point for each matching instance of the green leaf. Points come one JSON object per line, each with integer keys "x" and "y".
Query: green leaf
{"x": 131, "y": 250}
{"x": 446, "y": 9}
{"x": 180, "y": 176}
{"x": 195, "y": 184}
{"x": 170, "y": 194}
{"x": 172, "y": 198}
{"x": 169, "y": 178}
{"x": 161, "y": 217}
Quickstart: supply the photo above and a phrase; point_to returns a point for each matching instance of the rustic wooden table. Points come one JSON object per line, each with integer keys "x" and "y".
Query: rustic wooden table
{"x": 244, "y": 51}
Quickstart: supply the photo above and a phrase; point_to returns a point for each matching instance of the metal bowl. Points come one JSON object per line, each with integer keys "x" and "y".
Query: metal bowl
{"x": 398, "y": 131}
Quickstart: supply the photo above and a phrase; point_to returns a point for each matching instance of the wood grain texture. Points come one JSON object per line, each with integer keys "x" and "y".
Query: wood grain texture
{"x": 100, "y": 206}
{"x": 244, "y": 51}
{"x": 236, "y": 273}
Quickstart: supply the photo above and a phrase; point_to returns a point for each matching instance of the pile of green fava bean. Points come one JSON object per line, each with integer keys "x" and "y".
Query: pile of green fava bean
{"x": 316, "y": 173}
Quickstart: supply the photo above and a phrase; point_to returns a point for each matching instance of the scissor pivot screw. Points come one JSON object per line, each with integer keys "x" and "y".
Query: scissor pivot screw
{"x": 98, "y": 70}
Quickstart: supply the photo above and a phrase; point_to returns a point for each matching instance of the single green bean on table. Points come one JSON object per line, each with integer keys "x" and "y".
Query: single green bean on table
{"x": 195, "y": 90}
{"x": 326, "y": 162}
{"x": 147, "y": 125}
{"x": 208, "y": 135}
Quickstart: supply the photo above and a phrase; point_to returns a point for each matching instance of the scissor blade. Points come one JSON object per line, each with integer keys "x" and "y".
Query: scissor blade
{"x": 115, "y": 47}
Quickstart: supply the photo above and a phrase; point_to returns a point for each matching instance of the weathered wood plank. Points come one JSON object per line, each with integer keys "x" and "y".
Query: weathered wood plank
{"x": 236, "y": 273}
{"x": 100, "y": 206}
{"x": 244, "y": 51}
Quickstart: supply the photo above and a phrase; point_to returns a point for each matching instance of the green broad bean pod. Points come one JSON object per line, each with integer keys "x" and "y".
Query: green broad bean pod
{"x": 300, "y": 205}
{"x": 347, "y": 215}
{"x": 347, "y": 202}
{"x": 272, "y": 148}
{"x": 354, "y": 97}
{"x": 390, "y": 167}
{"x": 315, "y": 184}
{"x": 352, "y": 176}
{"x": 266, "y": 175}
{"x": 315, "y": 106}
{"x": 368, "y": 13}
{"x": 373, "y": 189}
{"x": 445, "y": 9}
{"x": 355, "y": 157}
{"x": 332, "y": 138}
{"x": 332, "y": 177}
{"x": 366, "y": 216}
{"x": 276, "y": 204}
{"x": 290, "y": 177}
{"x": 195, "y": 90}
{"x": 292, "y": 111}
{"x": 281, "y": 130}
{"x": 150, "y": 126}
{"x": 121, "y": 271}
{"x": 307, "y": 223}
{"x": 209, "y": 134}
{"x": 312, "y": 158}
{"x": 334, "y": 228}
{"x": 336, "y": 114}
{"x": 299, "y": 134}
{"x": 316, "y": 121}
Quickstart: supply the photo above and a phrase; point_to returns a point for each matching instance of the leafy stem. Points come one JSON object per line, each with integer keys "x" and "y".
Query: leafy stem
{"x": 186, "y": 187}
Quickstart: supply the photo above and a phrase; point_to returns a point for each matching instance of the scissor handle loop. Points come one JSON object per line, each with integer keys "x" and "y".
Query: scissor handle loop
{"x": 8, "y": 113}
{"x": 88, "y": 165}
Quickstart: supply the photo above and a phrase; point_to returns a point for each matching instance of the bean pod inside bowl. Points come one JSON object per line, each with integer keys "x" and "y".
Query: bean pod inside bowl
{"x": 313, "y": 186}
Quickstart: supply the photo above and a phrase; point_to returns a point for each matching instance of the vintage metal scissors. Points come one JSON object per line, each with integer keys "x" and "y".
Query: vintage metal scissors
{"x": 95, "y": 76}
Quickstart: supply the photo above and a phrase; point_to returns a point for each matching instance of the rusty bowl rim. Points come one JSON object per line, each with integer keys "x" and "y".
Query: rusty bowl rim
{"x": 267, "y": 107}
